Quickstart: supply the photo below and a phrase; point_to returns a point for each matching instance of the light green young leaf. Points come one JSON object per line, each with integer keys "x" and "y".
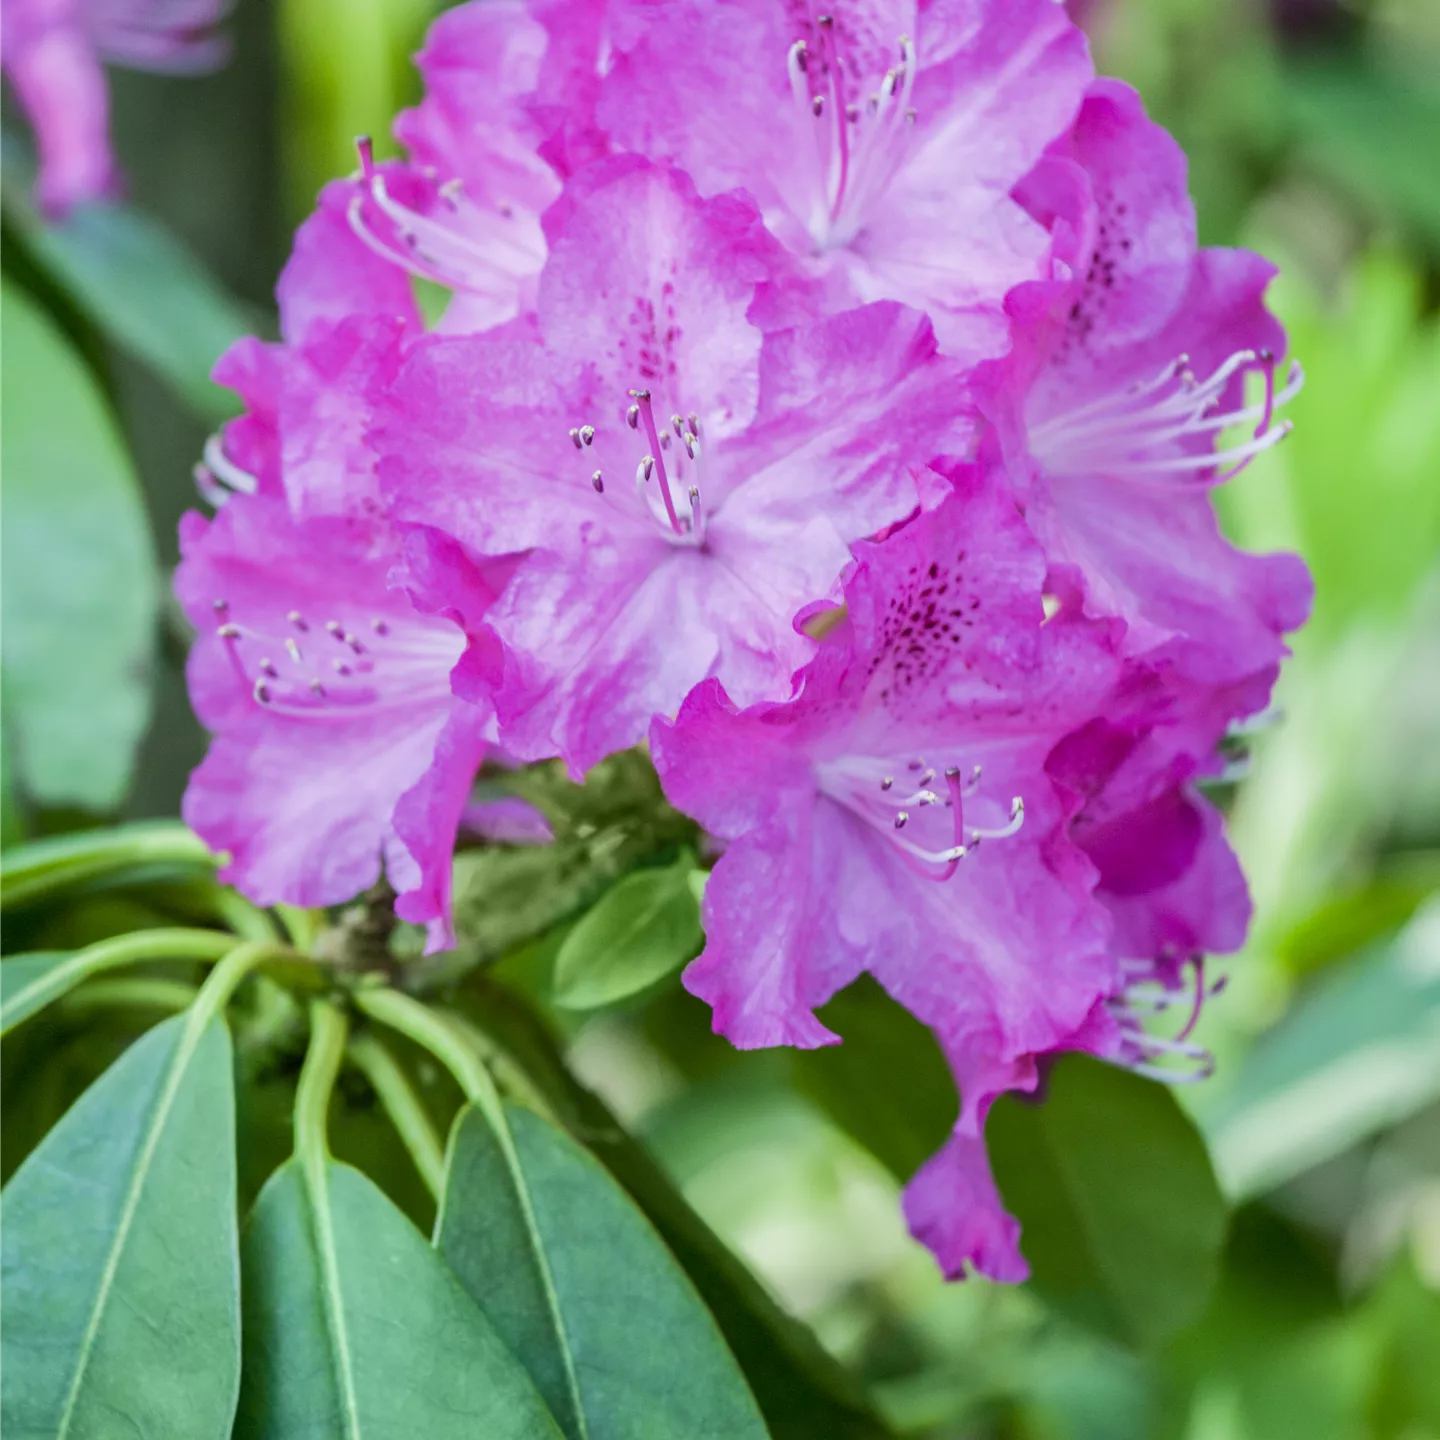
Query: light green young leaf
{"x": 1360, "y": 1053}
{"x": 1121, "y": 1219}
{"x": 641, "y": 931}
{"x": 583, "y": 1289}
{"x": 140, "y": 286}
{"x": 121, "y": 1275}
{"x": 354, "y": 1327}
{"x": 80, "y": 584}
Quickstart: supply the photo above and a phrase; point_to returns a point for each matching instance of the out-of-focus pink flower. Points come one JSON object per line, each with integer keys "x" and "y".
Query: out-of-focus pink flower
{"x": 875, "y": 823}
{"x": 1128, "y": 366}
{"x": 881, "y": 138}
{"x": 53, "y": 51}
{"x": 338, "y": 744}
{"x": 682, "y": 476}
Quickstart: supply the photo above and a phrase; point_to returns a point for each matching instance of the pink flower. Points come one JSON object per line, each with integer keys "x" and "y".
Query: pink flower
{"x": 1127, "y": 366}
{"x": 680, "y": 454}
{"x": 1172, "y": 885}
{"x": 464, "y": 211}
{"x": 308, "y": 407}
{"x": 339, "y": 746}
{"x": 53, "y": 51}
{"x": 881, "y": 138}
{"x": 874, "y": 823}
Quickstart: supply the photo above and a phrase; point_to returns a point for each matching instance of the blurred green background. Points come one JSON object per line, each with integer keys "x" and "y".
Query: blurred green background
{"x": 1313, "y": 129}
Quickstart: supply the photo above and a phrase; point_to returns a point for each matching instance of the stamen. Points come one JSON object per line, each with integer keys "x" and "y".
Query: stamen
{"x": 437, "y": 249}
{"x": 934, "y": 854}
{"x": 1133, "y": 433}
{"x": 225, "y": 470}
{"x": 1155, "y": 988}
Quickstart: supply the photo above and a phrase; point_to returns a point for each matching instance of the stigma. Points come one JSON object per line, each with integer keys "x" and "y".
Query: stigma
{"x": 669, "y": 476}
{"x": 1149, "y": 431}
{"x": 919, "y": 809}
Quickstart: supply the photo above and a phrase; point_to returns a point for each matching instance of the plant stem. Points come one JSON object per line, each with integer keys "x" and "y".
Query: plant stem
{"x": 434, "y": 1033}
{"x": 328, "y": 1028}
{"x": 406, "y": 1111}
{"x": 111, "y": 994}
{"x": 142, "y": 945}
{"x": 225, "y": 978}
{"x": 31, "y": 872}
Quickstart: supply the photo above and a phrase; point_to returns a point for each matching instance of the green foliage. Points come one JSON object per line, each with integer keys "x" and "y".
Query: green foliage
{"x": 1374, "y": 130}
{"x": 32, "y": 981}
{"x": 552, "y": 1249}
{"x": 1323, "y": 1319}
{"x": 1121, "y": 1219}
{"x": 642, "y": 930}
{"x": 121, "y": 1281}
{"x": 65, "y": 862}
{"x": 80, "y": 588}
{"x": 902, "y": 1122}
{"x": 1359, "y": 1053}
{"x": 138, "y": 285}
{"x": 353, "y": 1326}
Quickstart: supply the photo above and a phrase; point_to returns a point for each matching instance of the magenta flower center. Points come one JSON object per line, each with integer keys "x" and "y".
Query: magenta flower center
{"x": 918, "y": 808}
{"x": 1149, "y": 431}
{"x": 860, "y": 139}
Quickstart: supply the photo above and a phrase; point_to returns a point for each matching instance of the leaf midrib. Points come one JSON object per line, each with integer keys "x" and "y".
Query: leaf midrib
{"x": 185, "y": 1052}
{"x": 316, "y": 1180}
{"x": 547, "y": 1280}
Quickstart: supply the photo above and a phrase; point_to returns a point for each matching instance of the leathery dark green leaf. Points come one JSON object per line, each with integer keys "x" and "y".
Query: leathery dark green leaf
{"x": 121, "y": 1274}
{"x": 801, "y": 1389}
{"x": 354, "y": 1327}
{"x": 1122, "y": 1220}
{"x": 578, "y": 1283}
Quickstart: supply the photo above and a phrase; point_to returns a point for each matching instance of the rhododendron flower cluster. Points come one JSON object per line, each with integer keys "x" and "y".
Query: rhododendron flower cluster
{"x": 827, "y": 393}
{"x": 53, "y": 52}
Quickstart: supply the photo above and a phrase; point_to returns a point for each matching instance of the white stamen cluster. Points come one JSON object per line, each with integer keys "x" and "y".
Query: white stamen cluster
{"x": 1141, "y": 432}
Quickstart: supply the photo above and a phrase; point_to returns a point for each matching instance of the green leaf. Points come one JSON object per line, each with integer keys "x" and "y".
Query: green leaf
{"x": 907, "y": 1119}
{"x": 801, "y": 1389}
{"x": 121, "y": 1276}
{"x": 1372, "y": 131}
{"x": 35, "y": 871}
{"x": 1359, "y": 1053}
{"x": 355, "y": 1327}
{"x": 80, "y": 585}
{"x": 143, "y": 288}
{"x": 583, "y": 1290}
{"x": 1121, "y": 1219}
{"x": 644, "y": 929}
